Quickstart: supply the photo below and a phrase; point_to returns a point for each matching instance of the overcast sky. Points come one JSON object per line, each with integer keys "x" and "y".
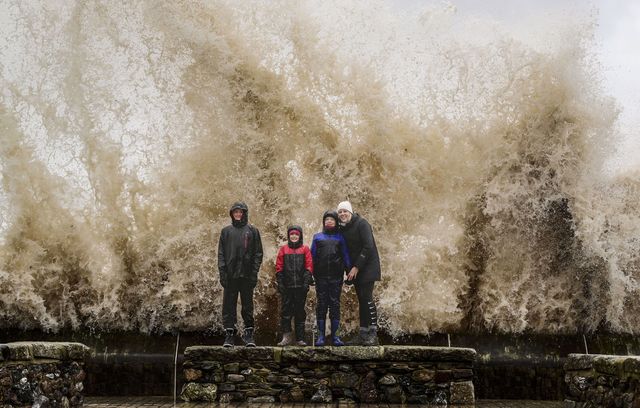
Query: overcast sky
{"x": 617, "y": 40}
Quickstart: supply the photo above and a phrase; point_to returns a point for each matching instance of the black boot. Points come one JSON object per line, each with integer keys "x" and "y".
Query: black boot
{"x": 229, "y": 337}
{"x": 247, "y": 337}
{"x": 371, "y": 338}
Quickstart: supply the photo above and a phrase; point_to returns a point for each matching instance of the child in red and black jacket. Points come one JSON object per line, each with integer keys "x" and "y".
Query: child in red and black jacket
{"x": 294, "y": 275}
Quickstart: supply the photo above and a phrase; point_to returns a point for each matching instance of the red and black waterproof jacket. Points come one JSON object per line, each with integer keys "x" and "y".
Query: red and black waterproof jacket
{"x": 293, "y": 265}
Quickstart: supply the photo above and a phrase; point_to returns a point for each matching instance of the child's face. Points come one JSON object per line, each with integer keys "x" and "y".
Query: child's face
{"x": 237, "y": 214}
{"x": 329, "y": 222}
{"x": 294, "y": 237}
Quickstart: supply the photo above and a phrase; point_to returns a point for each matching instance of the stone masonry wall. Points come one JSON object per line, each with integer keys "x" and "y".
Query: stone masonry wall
{"x": 42, "y": 374}
{"x": 392, "y": 374}
{"x": 595, "y": 380}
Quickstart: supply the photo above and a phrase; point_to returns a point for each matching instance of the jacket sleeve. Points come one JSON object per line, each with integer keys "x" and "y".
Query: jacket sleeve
{"x": 280, "y": 260}
{"x": 345, "y": 253}
{"x": 308, "y": 260}
{"x": 222, "y": 263}
{"x": 257, "y": 255}
{"x": 313, "y": 247}
{"x": 366, "y": 236}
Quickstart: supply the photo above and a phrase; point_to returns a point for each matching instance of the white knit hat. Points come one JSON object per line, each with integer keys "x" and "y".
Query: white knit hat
{"x": 345, "y": 205}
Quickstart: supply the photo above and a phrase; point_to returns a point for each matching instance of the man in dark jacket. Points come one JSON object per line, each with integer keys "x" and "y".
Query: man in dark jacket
{"x": 239, "y": 259}
{"x": 365, "y": 271}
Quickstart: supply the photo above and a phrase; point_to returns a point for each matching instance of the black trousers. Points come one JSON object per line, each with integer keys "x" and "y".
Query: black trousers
{"x": 230, "y": 294}
{"x": 328, "y": 293}
{"x": 293, "y": 302}
{"x": 366, "y": 306}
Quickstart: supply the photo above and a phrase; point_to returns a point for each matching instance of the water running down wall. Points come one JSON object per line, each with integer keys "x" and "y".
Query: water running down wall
{"x": 477, "y": 156}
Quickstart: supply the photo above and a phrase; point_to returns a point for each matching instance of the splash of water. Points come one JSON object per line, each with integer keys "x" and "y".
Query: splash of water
{"x": 127, "y": 131}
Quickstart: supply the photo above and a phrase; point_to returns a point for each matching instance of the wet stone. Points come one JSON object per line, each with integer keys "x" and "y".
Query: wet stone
{"x": 394, "y": 395}
{"x": 232, "y": 368}
{"x": 345, "y": 367}
{"x": 368, "y": 391}
{"x": 199, "y": 392}
{"x": 322, "y": 394}
{"x": 387, "y": 380}
{"x": 191, "y": 374}
{"x": 235, "y": 378}
{"x": 292, "y": 370}
{"x": 226, "y": 387}
{"x": 344, "y": 380}
{"x": 296, "y": 394}
{"x": 423, "y": 375}
{"x": 462, "y": 393}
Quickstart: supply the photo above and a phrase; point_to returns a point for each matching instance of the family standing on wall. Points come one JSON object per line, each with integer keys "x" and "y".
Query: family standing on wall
{"x": 344, "y": 247}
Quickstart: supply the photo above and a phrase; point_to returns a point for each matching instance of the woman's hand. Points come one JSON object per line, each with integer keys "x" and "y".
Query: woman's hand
{"x": 352, "y": 273}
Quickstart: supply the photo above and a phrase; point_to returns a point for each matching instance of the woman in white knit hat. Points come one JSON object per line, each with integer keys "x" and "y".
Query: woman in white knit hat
{"x": 365, "y": 271}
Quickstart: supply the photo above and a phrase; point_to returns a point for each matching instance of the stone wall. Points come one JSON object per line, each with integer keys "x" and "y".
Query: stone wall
{"x": 393, "y": 374}
{"x": 595, "y": 380}
{"x": 42, "y": 374}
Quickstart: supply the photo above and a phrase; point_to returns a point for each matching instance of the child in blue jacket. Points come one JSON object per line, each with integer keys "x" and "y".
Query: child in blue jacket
{"x": 330, "y": 262}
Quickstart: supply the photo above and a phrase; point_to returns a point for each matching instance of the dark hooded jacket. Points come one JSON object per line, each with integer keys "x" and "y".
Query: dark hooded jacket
{"x": 239, "y": 249}
{"x": 362, "y": 249}
{"x": 293, "y": 263}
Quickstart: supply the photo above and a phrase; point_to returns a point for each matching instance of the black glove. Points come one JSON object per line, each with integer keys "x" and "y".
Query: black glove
{"x": 308, "y": 279}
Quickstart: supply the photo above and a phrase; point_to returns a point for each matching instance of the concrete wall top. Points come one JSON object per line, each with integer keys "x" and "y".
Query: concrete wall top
{"x": 25, "y": 351}
{"x": 317, "y": 354}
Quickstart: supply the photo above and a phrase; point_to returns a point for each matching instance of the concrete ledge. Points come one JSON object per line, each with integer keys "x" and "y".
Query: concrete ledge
{"x": 602, "y": 380}
{"x": 42, "y": 374}
{"x": 383, "y": 374}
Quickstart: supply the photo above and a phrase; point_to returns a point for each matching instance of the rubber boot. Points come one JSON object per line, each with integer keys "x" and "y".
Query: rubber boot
{"x": 229, "y": 337}
{"x": 371, "y": 338}
{"x": 287, "y": 339}
{"x": 321, "y": 330}
{"x": 337, "y": 341}
{"x": 300, "y": 334}
{"x": 247, "y": 337}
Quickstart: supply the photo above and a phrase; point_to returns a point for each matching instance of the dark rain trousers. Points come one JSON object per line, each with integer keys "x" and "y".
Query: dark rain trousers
{"x": 233, "y": 288}
{"x": 293, "y": 302}
{"x": 328, "y": 293}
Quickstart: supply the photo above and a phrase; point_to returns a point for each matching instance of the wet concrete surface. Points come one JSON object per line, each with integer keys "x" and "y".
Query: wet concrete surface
{"x": 166, "y": 402}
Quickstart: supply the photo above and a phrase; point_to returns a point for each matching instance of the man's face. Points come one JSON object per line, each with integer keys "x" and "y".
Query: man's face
{"x": 329, "y": 222}
{"x": 294, "y": 236}
{"x": 237, "y": 214}
{"x": 344, "y": 215}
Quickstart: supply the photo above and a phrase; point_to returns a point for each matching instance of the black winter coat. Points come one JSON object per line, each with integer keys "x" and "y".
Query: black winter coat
{"x": 362, "y": 249}
{"x": 239, "y": 253}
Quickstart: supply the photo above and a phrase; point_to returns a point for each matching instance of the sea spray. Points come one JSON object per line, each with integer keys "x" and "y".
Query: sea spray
{"x": 128, "y": 130}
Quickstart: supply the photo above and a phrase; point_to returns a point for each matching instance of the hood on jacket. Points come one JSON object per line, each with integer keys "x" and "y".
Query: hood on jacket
{"x": 239, "y": 205}
{"x": 300, "y": 241}
{"x": 331, "y": 214}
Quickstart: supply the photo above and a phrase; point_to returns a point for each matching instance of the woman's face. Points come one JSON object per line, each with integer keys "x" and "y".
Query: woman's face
{"x": 344, "y": 215}
{"x": 294, "y": 236}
